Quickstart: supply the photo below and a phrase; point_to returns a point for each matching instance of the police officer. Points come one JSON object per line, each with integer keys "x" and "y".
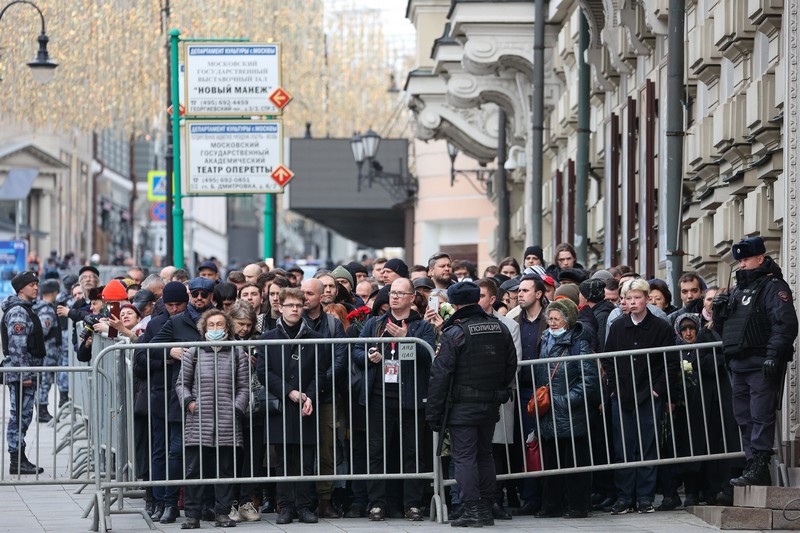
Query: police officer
{"x": 23, "y": 345}
{"x": 45, "y": 309}
{"x": 758, "y": 324}
{"x": 470, "y": 377}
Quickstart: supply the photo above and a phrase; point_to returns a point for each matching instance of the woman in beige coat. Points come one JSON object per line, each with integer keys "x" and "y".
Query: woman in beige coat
{"x": 213, "y": 389}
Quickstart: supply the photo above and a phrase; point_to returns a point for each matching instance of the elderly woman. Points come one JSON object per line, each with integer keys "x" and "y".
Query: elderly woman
{"x": 213, "y": 389}
{"x": 574, "y": 393}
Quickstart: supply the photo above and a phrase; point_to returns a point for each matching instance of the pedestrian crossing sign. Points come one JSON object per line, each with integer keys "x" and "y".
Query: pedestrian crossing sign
{"x": 157, "y": 185}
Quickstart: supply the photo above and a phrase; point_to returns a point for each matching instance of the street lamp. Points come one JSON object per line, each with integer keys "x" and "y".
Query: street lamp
{"x": 42, "y": 67}
{"x": 481, "y": 174}
{"x": 400, "y": 184}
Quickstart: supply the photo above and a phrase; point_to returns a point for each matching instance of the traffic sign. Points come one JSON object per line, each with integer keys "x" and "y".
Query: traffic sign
{"x": 158, "y": 212}
{"x": 282, "y": 175}
{"x": 280, "y": 98}
{"x": 232, "y": 79}
{"x": 233, "y": 156}
{"x": 157, "y": 185}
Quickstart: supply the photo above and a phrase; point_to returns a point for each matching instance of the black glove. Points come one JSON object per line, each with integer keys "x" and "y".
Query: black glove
{"x": 771, "y": 367}
{"x": 435, "y": 425}
{"x": 504, "y": 395}
{"x": 719, "y": 306}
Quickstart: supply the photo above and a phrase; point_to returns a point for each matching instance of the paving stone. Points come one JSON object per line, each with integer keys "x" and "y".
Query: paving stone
{"x": 767, "y": 497}
{"x": 734, "y": 517}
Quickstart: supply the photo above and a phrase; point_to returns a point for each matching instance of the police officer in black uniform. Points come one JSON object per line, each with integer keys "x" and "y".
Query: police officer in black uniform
{"x": 758, "y": 324}
{"x": 470, "y": 378}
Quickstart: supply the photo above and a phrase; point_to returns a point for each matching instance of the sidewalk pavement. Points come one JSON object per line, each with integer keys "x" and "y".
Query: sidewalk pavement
{"x": 56, "y": 508}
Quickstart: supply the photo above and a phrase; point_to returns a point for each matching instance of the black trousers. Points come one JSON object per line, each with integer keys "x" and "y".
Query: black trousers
{"x": 471, "y": 452}
{"x": 387, "y": 416}
{"x": 223, "y": 492}
{"x": 574, "y": 488}
{"x": 290, "y": 462}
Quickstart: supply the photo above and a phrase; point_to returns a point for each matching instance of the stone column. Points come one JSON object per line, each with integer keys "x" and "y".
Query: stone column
{"x": 790, "y": 418}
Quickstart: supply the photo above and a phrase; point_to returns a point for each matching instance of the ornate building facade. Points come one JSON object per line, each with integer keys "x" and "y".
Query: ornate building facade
{"x": 603, "y": 182}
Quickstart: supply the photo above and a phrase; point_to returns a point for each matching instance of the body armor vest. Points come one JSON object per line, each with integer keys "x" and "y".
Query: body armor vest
{"x": 481, "y": 365}
{"x": 747, "y": 326}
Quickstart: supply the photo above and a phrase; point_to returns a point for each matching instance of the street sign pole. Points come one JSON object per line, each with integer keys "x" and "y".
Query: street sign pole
{"x": 177, "y": 205}
{"x": 269, "y": 224}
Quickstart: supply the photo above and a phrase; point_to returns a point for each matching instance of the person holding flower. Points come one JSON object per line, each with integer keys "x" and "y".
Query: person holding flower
{"x": 394, "y": 393}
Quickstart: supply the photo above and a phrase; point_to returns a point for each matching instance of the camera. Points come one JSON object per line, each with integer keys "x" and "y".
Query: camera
{"x": 89, "y": 322}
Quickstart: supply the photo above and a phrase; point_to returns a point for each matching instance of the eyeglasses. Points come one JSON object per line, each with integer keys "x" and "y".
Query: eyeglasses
{"x": 397, "y": 294}
{"x": 199, "y": 293}
{"x": 292, "y": 306}
{"x": 554, "y": 320}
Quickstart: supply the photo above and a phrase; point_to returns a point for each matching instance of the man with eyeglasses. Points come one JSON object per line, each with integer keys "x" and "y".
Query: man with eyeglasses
{"x": 395, "y": 393}
{"x": 89, "y": 278}
{"x": 181, "y": 327}
{"x": 440, "y": 269}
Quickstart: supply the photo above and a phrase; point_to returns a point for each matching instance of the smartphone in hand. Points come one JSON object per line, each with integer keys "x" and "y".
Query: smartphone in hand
{"x": 433, "y": 303}
{"x": 113, "y": 309}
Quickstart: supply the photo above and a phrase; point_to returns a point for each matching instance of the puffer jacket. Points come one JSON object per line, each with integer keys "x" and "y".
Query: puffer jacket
{"x": 218, "y": 380}
{"x": 569, "y": 387}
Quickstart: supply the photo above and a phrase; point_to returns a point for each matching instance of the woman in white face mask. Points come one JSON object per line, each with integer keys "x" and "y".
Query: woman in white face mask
{"x": 574, "y": 395}
{"x": 213, "y": 389}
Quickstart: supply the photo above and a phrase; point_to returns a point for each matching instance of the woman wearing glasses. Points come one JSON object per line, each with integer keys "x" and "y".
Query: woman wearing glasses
{"x": 563, "y": 433}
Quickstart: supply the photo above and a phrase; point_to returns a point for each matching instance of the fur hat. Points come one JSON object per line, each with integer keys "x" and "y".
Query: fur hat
{"x": 567, "y": 308}
{"x": 574, "y": 275}
{"x": 464, "y": 293}
{"x": 749, "y": 248}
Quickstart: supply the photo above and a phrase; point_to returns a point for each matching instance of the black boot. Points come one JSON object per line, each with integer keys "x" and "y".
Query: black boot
{"x": 472, "y": 515}
{"x": 757, "y": 472}
{"x": 44, "y": 415}
{"x": 24, "y": 463}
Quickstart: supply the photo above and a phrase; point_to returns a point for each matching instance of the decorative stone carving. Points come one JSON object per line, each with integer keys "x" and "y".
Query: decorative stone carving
{"x": 791, "y": 224}
{"x": 655, "y": 16}
{"x": 495, "y": 47}
{"x": 595, "y": 55}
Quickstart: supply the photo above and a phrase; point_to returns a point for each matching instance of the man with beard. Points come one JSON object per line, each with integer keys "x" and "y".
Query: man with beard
{"x": 758, "y": 324}
{"x": 440, "y": 270}
{"x": 395, "y": 392}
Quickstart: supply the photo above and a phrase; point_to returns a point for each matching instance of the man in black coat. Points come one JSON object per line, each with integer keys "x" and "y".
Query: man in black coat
{"x": 472, "y": 372}
{"x": 758, "y": 324}
{"x": 636, "y": 401}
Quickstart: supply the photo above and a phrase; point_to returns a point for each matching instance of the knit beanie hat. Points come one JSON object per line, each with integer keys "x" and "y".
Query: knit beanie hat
{"x": 398, "y": 266}
{"x": 569, "y": 291}
{"x": 174, "y": 292}
{"x": 567, "y": 308}
{"x": 115, "y": 291}
{"x": 23, "y": 279}
{"x": 534, "y": 250}
{"x": 593, "y": 290}
{"x": 341, "y": 272}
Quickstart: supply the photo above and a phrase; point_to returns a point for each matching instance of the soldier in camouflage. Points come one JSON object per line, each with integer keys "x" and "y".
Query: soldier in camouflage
{"x": 23, "y": 345}
{"x": 46, "y": 311}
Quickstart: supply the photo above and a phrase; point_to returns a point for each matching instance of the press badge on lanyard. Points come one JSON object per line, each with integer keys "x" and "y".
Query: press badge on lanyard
{"x": 391, "y": 371}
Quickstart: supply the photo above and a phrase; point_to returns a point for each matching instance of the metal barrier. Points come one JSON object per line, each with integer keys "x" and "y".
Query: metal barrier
{"x": 221, "y": 429}
{"x": 694, "y": 419}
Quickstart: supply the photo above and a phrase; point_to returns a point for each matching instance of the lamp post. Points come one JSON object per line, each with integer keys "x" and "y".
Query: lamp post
{"x": 42, "y": 67}
{"x": 401, "y": 184}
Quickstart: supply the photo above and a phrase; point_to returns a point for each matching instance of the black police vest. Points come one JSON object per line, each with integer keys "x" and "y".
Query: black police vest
{"x": 481, "y": 365}
{"x": 747, "y": 326}
{"x": 35, "y": 341}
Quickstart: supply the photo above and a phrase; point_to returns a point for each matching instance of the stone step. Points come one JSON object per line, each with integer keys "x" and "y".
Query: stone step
{"x": 767, "y": 497}
{"x": 733, "y": 518}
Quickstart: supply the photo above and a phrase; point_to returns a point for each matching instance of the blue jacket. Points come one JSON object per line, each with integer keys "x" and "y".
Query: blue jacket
{"x": 573, "y": 395}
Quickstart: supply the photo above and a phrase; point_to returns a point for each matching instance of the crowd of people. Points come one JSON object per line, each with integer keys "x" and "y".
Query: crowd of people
{"x": 223, "y": 411}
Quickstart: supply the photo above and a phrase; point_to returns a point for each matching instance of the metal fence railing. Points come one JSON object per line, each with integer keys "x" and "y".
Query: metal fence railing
{"x": 365, "y": 424}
